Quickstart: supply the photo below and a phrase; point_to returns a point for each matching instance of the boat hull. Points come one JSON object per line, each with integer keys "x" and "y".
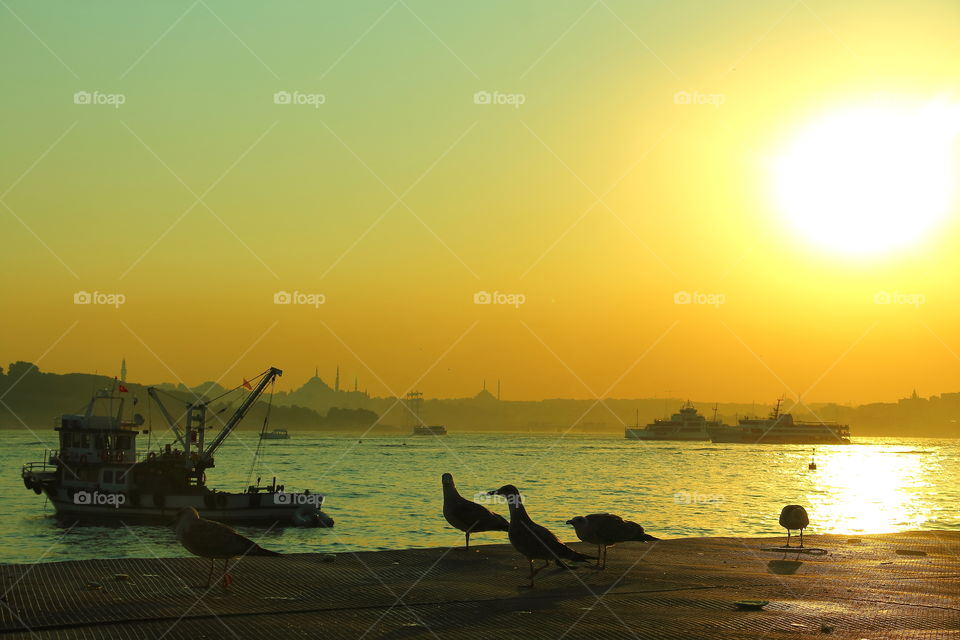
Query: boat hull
{"x": 645, "y": 434}
{"x": 264, "y": 508}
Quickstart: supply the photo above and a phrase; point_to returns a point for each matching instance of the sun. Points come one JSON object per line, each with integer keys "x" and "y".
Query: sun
{"x": 869, "y": 178}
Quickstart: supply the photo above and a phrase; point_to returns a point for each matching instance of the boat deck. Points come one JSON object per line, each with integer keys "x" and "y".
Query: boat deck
{"x": 881, "y": 586}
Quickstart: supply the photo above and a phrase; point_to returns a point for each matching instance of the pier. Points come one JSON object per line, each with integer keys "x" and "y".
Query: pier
{"x": 904, "y": 585}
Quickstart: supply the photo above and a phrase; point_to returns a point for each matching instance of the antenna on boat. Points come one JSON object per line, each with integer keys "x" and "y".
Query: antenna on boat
{"x": 813, "y": 462}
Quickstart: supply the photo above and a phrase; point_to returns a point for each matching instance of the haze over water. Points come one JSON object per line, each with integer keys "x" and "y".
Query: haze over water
{"x": 385, "y": 492}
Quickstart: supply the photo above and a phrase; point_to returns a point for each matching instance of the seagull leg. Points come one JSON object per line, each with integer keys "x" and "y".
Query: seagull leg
{"x": 227, "y": 578}
{"x": 801, "y": 538}
{"x": 468, "y": 541}
{"x": 210, "y": 576}
{"x": 598, "y": 556}
{"x": 788, "y": 537}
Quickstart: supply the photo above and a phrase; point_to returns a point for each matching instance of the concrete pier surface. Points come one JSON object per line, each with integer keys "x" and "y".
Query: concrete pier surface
{"x": 904, "y": 585}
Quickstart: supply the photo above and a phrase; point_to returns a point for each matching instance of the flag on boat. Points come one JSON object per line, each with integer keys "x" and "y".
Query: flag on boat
{"x": 247, "y": 385}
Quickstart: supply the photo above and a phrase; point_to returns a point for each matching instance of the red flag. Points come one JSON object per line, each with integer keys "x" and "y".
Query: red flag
{"x": 123, "y": 389}
{"x": 247, "y": 385}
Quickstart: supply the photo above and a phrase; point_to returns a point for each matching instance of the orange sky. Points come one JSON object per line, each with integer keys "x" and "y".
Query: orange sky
{"x": 433, "y": 152}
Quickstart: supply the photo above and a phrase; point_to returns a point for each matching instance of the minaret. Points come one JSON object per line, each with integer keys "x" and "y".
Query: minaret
{"x": 355, "y": 384}
{"x": 336, "y": 384}
{"x": 123, "y": 370}
{"x": 498, "y": 388}
{"x": 316, "y": 372}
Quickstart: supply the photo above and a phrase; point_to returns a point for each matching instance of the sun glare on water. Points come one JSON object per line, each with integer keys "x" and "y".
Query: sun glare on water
{"x": 869, "y": 178}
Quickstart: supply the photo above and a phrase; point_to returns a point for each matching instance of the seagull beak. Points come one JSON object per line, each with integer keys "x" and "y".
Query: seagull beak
{"x": 492, "y": 493}
{"x": 568, "y": 522}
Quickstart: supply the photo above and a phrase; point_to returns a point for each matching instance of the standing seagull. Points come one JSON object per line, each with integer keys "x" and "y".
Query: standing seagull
{"x": 209, "y": 539}
{"x": 793, "y": 516}
{"x": 532, "y": 540}
{"x": 468, "y": 516}
{"x": 606, "y": 530}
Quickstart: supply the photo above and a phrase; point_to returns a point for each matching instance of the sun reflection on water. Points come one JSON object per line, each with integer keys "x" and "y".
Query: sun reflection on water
{"x": 866, "y": 489}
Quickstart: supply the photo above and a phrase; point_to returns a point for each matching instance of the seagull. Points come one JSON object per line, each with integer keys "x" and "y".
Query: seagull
{"x": 209, "y": 539}
{"x": 606, "y": 530}
{"x": 793, "y": 516}
{"x": 532, "y": 540}
{"x": 468, "y": 516}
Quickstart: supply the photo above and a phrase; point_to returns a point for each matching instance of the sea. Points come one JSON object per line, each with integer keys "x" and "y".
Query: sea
{"x": 385, "y": 493}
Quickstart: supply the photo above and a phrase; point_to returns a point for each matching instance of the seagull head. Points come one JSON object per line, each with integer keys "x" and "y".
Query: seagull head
{"x": 447, "y": 480}
{"x": 577, "y": 522}
{"x": 505, "y": 490}
{"x": 187, "y": 514}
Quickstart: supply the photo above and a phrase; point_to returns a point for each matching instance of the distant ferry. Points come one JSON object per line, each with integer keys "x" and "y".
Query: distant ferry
{"x": 276, "y": 434}
{"x": 688, "y": 424}
{"x": 780, "y": 428}
{"x": 435, "y": 430}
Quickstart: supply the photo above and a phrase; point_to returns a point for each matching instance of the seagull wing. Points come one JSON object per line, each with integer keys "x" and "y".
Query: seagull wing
{"x": 536, "y": 541}
{"x": 210, "y": 539}
{"x": 470, "y": 516}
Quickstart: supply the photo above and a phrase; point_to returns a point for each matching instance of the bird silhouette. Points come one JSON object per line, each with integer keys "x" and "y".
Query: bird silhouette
{"x": 606, "y": 530}
{"x": 466, "y": 515}
{"x": 533, "y": 541}
{"x": 793, "y": 516}
{"x": 213, "y": 540}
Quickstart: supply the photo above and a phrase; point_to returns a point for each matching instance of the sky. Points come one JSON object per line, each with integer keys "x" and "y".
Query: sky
{"x": 578, "y": 198}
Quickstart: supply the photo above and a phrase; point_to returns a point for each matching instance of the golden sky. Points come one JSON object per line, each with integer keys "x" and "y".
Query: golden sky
{"x": 594, "y": 163}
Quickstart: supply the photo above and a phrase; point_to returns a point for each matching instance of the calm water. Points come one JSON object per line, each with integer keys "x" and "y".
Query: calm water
{"x": 384, "y": 494}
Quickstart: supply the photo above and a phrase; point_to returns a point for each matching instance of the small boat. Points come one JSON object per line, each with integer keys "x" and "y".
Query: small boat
{"x": 413, "y": 401}
{"x": 276, "y": 434}
{"x": 99, "y": 475}
{"x": 434, "y": 430}
{"x": 688, "y": 424}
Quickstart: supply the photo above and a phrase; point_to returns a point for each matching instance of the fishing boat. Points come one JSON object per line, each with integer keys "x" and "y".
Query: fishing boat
{"x": 687, "y": 424}
{"x": 98, "y": 473}
{"x": 276, "y": 434}
{"x": 781, "y": 428}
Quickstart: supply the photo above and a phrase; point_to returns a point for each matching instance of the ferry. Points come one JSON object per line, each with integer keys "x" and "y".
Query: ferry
{"x": 781, "y": 428}
{"x": 414, "y": 400}
{"x": 98, "y": 473}
{"x": 687, "y": 424}
{"x": 276, "y": 434}
{"x": 434, "y": 430}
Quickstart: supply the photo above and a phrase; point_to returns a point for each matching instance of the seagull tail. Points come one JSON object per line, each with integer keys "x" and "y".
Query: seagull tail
{"x": 645, "y": 537}
{"x": 578, "y": 557}
{"x": 257, "y": 550}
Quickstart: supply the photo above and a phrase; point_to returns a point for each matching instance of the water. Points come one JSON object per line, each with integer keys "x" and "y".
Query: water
{"x": 385, "y": 492}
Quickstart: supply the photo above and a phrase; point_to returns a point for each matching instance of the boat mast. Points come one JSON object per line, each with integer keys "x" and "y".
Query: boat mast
{"x": 152, "y": 392}
{"x": 268, "y": 377}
